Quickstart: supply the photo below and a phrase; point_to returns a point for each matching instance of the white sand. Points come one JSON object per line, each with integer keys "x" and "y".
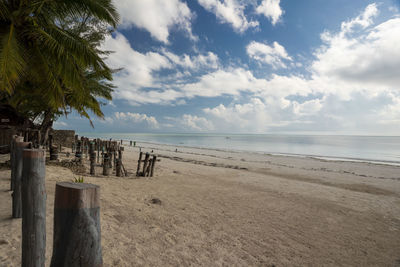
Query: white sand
{"x": 244, "y": 209}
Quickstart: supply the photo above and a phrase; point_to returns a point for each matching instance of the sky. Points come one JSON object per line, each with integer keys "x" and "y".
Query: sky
{"x": 254, "y": 66}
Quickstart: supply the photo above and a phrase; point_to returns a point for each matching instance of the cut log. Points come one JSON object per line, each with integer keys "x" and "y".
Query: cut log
{"x": 77, "y": 235}
{"x": 33, "y": 207}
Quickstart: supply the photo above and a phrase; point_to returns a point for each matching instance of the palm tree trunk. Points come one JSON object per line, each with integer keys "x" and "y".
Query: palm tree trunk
{"x": 46, "y": 125}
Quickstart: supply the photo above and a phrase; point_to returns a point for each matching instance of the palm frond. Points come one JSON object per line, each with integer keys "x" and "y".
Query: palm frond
{"x": 12, "y": 62}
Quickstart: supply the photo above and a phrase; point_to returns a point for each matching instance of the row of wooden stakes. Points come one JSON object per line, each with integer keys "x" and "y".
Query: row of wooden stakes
{"x": 76, "y": 235}
{"x": 111, "y": 154}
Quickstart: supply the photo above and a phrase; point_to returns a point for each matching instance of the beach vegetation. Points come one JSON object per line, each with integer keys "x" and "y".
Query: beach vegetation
{"x": 51, "y": 62}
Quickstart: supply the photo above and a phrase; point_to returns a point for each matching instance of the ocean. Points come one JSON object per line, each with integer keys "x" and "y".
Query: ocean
{"x": 384, "y": 149}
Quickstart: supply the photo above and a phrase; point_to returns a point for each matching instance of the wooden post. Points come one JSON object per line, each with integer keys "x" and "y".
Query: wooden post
{"x": 147, "y": 171}
{"x": 115, "y": 157}
{"x": 146, "y": 160}
{"x": 16, "y": 195}
{"x": 98, "y": 150}
{"x": 106, "y": 167}
{"x": 118, "y": 168}
{"x": 77, "y": 235}
{"x": 138, "y": 164}
{"x": 92, "y": 159}
{"x": 33, "y": 207}
{"x": 15, "y": 139}
{"x": 153, "y": 162}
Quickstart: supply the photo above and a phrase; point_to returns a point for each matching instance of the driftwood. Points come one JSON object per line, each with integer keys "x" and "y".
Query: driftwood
{"x": 77, "y": 235}
{"x": 33, "y": 208}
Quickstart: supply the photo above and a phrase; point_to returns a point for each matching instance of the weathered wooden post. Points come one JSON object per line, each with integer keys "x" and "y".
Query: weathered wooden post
{"x": 78, "y": 151}
{"x": 146, "y": 161}
{"x": 153, "y": 163}
{"x": 77, "y": 235}
{"x": 138, "y": 164}
{"x": 118, "y": 168}
{"x": 106, "y": 167}
{"x": 115, "y": 157}
{"x": 98, "y": 150}
{"x": 147, "y": 171}
{"x": 33, "y": 207}
{"x": 14, "y": 139}
{"x": 16, "y": 195}
{"x": 92, "y": 159}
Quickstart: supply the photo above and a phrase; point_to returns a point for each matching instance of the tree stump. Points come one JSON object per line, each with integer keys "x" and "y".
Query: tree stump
{"x": 33, "y": 207}
{"x": 77, "y": 235}
{"x": 16, "y": 195}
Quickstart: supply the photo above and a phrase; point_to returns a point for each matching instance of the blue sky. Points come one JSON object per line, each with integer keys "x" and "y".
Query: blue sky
{"x": 255, "y": 66}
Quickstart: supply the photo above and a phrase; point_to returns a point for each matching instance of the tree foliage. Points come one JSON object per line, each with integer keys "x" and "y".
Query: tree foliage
{"x": 50, "y": 57}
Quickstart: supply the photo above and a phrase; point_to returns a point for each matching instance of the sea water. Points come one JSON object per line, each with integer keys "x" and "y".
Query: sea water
{"x": 370, "y": 148}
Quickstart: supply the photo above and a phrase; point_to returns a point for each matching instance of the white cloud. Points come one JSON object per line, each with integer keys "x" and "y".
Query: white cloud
{"x": 140, "y": 71}
{"x": 363, "y": 20}
{"x": 272, "y": 55}
{"x": 209, "y": 60}
{"x": 270, "y": 9}
{"x": 370, "y": 61}
{"x": 157, "y": 17}
{"x": 191, "y": 122}
{"x": 229, "y": 11}
{"x": 353, "y": 83}
{"x": 353, "y": 88}
{"x": 137, "y": 118}
{"x": 137, "y": 67}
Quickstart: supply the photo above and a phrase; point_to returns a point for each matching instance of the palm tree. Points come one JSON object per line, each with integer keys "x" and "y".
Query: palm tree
{"x": 48, "y": 52}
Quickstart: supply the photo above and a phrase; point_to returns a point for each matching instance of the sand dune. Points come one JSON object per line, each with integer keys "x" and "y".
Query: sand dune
{"x": 231, "y": 208}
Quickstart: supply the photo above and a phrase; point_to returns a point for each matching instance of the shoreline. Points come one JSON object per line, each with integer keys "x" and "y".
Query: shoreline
{"x": 311, "y": 156}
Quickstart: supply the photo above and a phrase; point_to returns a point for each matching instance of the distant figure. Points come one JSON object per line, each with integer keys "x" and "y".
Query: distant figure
{"x": 176, "y": 150}
{"x": 134, "y": 143}
{"x": 152, "y": 151}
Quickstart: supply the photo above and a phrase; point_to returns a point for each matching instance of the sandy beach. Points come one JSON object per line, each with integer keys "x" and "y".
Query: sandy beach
{"x": 221, "y": 208}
